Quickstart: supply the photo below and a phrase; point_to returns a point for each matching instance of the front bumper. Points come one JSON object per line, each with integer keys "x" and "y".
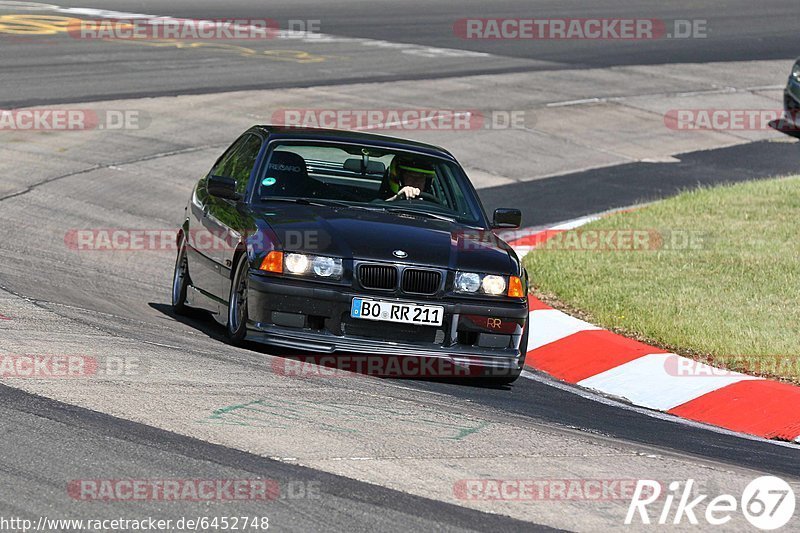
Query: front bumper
{"x": 789, "y": 123}
{"x": 791, "y": 97}
{"x": 791, "y": 107}
{"x": 315, "y": 317}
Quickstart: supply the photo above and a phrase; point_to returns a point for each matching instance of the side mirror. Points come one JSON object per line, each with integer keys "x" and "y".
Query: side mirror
{"x": 507, "y": 218}
{"x": 222, "y": 187}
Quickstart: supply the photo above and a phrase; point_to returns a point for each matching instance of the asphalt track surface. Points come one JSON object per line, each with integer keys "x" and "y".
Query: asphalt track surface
{"x": 76, "y": 71}
{"x": 41, "y": 69}
{"x": 87, "y": 437}
{"x": 584, "y": 193}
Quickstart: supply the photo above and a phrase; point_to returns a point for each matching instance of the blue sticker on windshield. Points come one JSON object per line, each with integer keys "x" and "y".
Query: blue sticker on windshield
{"x": 268, "y": 182}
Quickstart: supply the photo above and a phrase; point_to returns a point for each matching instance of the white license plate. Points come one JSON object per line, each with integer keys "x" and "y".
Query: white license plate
{"x": 402, "y": 313}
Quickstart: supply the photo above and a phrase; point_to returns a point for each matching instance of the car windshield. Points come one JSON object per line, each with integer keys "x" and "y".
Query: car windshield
{"x": 352, "y": 175}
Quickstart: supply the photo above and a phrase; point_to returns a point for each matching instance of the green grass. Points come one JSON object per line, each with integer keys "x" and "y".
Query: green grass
{"x": 734, "y": 293}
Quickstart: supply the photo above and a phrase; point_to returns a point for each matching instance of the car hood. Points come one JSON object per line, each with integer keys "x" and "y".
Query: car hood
{"x": 376, "y": 235}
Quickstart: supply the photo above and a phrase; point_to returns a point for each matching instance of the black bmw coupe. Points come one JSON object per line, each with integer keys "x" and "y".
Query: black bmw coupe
{"x": 342, "y": 242}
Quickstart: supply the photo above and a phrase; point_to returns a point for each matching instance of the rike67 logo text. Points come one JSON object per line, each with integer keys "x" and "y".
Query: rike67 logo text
{"x": 767, "y": 503}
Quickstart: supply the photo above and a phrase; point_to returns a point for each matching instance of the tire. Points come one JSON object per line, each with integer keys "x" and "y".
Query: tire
{"x": 236, "y": 327}
{"x": 180, "y": 280}
{"x": 500, "y": 381}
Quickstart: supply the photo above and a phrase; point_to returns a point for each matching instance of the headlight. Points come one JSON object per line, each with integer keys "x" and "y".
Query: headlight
{"x": 491, "y": 284}
{"x": 494, "y": 285}
{"x": 325, "y": 267}
{"x": 796, "y": 71}
{"x": 296, "y": 263}
{"x": 313, "y": 265}
{"x": 468, "y": 282}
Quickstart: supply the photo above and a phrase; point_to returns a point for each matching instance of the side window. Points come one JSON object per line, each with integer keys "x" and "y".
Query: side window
{"x": 219, "y": 168}
{"x": 238, "y": 161}
{"x": 243, "y": 161}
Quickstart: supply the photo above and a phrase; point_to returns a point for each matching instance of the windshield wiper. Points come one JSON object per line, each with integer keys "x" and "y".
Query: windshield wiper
{"x": 301, "y": 201}
{"x": 418, "y": 212}
{"x": 316, "y": 202}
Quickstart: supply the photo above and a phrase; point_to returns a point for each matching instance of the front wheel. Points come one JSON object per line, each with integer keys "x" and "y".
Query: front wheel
{"x": 236, "y": 328}
{"x": 180, "y": 280}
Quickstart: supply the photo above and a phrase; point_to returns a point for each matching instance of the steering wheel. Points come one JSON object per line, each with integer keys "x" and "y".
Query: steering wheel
{"x": 429, "y": 197}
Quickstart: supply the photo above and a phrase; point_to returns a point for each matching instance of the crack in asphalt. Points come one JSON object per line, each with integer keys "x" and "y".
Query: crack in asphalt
{"x": 101, "y": 166}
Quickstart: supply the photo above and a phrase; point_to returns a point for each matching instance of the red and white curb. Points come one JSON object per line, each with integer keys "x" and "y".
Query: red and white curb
{"x": 585, "y": 355}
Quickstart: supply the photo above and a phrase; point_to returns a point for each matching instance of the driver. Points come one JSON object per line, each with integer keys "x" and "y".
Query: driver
{"x": 408, "y": 179}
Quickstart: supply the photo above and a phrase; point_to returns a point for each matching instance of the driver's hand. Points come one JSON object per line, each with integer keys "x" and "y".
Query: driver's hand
{"x": 409, "y": 192}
